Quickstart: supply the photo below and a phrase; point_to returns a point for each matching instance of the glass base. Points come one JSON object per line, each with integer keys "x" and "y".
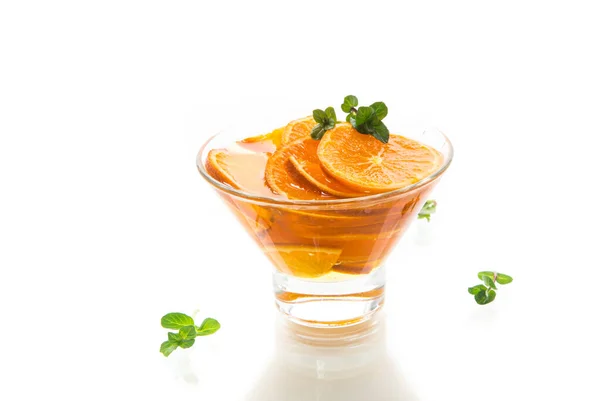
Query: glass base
{"x": 330, "y": 303}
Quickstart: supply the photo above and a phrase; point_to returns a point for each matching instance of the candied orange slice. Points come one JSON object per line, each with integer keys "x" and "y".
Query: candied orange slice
{"x": 297, "y": 129}
{"x": 283, "y": 178}
{"x": 243, "y": 171}
{"x": 308, "y": 166}
{"x": 303, "y": 261}
{"x": 365, "y": 164}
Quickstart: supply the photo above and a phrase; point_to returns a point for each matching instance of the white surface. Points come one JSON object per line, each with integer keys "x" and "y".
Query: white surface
{"x": 105, "y": 225}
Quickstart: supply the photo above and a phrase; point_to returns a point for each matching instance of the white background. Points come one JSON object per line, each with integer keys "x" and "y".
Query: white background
{"x": 105, "y": 224}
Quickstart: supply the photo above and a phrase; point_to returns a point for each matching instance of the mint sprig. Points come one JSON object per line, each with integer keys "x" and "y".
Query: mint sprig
{"x": 427, "y": 210}
{"x": 187, "y": 331}
{"x": 486, "y": 292}
{"x": 326, "y": 120}
{"x": 367, "y": 119}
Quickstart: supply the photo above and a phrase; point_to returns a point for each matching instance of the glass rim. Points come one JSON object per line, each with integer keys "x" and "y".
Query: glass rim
{"x": 265, "y": 200}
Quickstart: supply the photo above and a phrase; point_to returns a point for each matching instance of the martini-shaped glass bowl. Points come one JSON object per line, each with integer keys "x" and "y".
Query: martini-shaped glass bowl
{"x": 328, "y": 257}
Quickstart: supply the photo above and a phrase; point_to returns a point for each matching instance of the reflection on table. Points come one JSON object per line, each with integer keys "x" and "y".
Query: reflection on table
{"x": 330, "y": 364}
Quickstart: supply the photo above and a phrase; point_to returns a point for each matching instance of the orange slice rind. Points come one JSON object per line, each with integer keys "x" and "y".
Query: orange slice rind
{"x": 283, "y": 178}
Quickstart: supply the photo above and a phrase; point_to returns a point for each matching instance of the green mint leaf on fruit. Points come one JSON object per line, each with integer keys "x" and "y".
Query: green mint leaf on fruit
{"x": 326, "y": 120}
{"x": 427, "y": 210}
{"x": 363, "y": 115}
{"x": 319, "y": 116}
{"x": 317, "y": 132}
{"x": 208, "y": 326}
{"x": 380, "y": 110}
{"x": 503, "y": 279}
{"x": 187, "y": 331}
{"x": 350, "y": 102}
{"x": 480, "y": 275}
{"x": 187, "y": 343}
{"x": 350, "y": 118}
{"x": 176, "y": 321}
{"x": 480, "y": 298}
{"x": 489, "y": 282}
{"x": 477, "y": 289}
{"x": 167, "y": 347}
{"x": 330, "y": 113}
{"x": 380, "y": 131}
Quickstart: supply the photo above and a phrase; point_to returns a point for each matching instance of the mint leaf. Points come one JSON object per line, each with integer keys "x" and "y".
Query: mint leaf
{"x": 427, "y": 210}
{"x": 485, "y": 295}
{"x": 174, "y": 338}
{"x": 489, "y": 282}
{"x": 480, "y": 275}
{"x": 480, "y": 298}
{"x": 380, "y": 110}
{"x": 326, "y": 120}
{"x": 363, "y": 115}
{"x": 187, "y": 332}
{"x": 330, "y": 113}
{"x": 176, "y": 321}
{"x": 503, "y": 278}
{"x": 477, "y": 289}
{"x": 349, "y": 119}
{"x": 490, "y": 296}
{"x": 208, "y": 326}
{"x": 167, "y": 347}
{"x": 317, "y": 132}
{"x": 187, "y": 343}
{"x": 350, "y": 101}
{"x": 319, "y": 116}
{"x": 380, "y": 131}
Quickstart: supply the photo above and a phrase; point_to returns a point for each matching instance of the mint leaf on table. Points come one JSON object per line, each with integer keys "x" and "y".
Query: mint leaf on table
{"x": 486, "y": 292}
{"x": 477, "y": 289}
{"x": 167, "y": 347}
{"x": 176, "y": 320}
{"x": 427, "y": 210}
{"x": 503, "y": 279}
{"x": 489, "y": 282}
{"x": 187, "y": 331}
{"x": 208, "y": 326}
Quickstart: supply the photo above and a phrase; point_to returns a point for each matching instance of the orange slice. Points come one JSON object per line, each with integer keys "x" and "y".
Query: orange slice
{"x": 308, "y": 166}
{"x": 274, "y": 137}
{"x": 243, "y": 171}
{"x": 303, "y": 261}
{"x": 365, "y": 164}
{"x": 297, "y": 129}
{"x": 283, "y": 178}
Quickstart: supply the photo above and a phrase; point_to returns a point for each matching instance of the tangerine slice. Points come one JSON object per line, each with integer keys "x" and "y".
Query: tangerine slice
{"x": 283, "y": 178}
{"x": 303, "y": 261}
{"x": 243, "y": 171}
{"x": 274, "y": 137}
{"x": 308, "y": 166}
{"x": 297, "y": 129}
{"x": 365, "y": 164}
